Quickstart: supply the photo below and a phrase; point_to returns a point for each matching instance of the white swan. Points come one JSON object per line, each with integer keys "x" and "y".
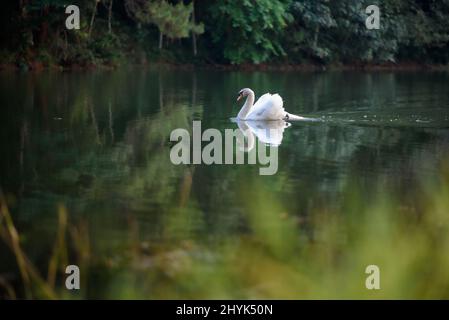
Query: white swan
{"x": 268, "y": 107}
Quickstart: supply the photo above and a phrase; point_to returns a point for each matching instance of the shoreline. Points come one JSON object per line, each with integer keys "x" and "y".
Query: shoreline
{"x": 36, "y": 67}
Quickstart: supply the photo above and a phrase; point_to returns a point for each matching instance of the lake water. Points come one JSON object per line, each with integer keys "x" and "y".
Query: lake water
{"x": 97, "y": 144}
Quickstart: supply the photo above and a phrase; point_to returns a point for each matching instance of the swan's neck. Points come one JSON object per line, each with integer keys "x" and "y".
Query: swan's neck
{"x": 247, "y": 106}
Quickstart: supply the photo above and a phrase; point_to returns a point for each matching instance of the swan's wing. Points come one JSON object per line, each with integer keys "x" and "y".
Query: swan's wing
{"x": 268, "y": 107}
{"x": 263, "y": 99}
{"x": 260, "y": 108}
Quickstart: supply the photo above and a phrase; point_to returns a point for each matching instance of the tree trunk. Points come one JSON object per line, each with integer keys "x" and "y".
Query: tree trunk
{"x": 111, "y": 123}
{"x": 315, "y": 37}
{"x": 161, "y": 38}
{"x": 110, "y": 16}
{"x": 193, "y": 33}
{"x": 66, "y": 44}
{"x": 94, "y": 12}
{"x": 43, "y": 34}
{"x": 161, "y": 93}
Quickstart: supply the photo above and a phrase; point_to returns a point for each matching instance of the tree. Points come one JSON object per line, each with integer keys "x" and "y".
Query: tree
{"x": 173, "y": 21}
{"x": 311, "y": 17}
{"x": 335, "y": 31}
{"x": 248, "y": 31}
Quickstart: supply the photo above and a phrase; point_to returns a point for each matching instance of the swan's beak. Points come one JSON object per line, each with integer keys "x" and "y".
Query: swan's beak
{"x": 239, "y": 97}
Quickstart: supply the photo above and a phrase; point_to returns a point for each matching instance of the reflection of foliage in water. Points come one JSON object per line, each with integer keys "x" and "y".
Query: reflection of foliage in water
{"x": 277, "y": 258}
{"x": 141, "y": 227}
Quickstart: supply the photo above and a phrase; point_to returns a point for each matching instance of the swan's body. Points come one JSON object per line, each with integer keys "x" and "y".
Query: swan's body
{"x": 268, "y": 107}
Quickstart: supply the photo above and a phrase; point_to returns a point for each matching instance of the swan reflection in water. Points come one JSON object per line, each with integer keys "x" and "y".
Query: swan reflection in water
{"x": 267, "y": 132}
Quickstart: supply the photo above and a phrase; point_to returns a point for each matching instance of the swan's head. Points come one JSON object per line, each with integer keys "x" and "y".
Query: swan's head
{"x": 243, "y": 93}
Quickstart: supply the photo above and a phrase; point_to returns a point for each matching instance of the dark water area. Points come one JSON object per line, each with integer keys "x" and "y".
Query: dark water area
{"x": 97, "y": 144}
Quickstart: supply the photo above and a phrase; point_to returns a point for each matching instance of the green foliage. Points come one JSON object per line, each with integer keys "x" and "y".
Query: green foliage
{"x": 248, "y": 31}
{"x": 37, "y": 5}
{"x": 235, "y": 31}
{"x": 6, "y": 57}
{"x": 335, "y": 31}
{"x": 106, "y": 48}
{"x": 311, "y": 19}
{"x": 355, "y": 42}
{"x": 427, "y": 37}
{"x": 173, "y": 21}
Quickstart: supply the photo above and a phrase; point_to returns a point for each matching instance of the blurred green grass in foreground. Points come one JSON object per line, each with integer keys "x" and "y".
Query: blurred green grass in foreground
{"x": 281, "y": 256}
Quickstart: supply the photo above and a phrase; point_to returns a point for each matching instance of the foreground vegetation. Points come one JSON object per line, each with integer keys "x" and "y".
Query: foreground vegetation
{"x": 280, "y": 257}
{"x": 33, "y": 33}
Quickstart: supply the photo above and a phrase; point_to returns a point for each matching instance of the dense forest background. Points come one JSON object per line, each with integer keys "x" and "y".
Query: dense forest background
{"x": 239, "y": 32}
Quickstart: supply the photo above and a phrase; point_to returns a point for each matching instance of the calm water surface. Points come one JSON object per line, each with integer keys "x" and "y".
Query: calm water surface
{"x": 97, "y": 143}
